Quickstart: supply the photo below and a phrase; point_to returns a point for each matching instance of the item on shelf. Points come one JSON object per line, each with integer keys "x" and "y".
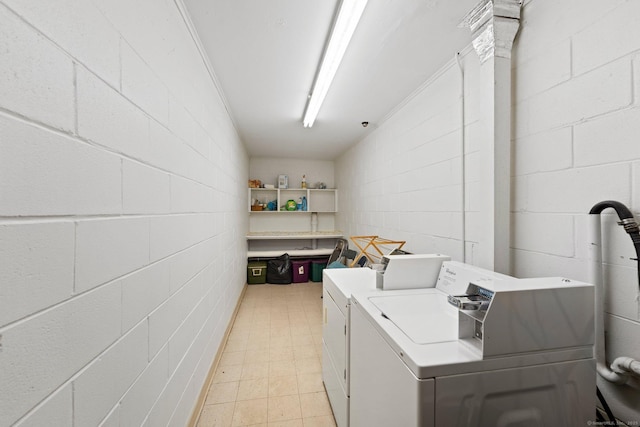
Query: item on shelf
{"x": 269, "y": 186}
{"x": 272, "y": 205}
{"x": 291, "y": 205}
{"x": 304, "y": 203}
{"x": 256, "y": 205}
{"x": 299, "y": 204}
{"x": 283, "y": 181}
{"x": 321, "y": 185}
{"x": 303, "y": 184}
{"x": 255, "y": 183}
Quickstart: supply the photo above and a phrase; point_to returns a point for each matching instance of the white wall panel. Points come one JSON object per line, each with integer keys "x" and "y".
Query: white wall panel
{"x": 143, "y": 291}
{"x": 36, "y": 76}
{"x": 535, "y": 75}
{"x": 546, "y": 233}
{"x": 577, "y": 190}
{"x": 78, "y": 27}
{"x": 142, "y": 87}
{"x": 107, "y": 249}
{"x": 99, "y": 387}
{"x": 41, "y": 259}
{"x": 403, "y": 181}
{"x": 51, "y": 347}
{"x": 104, "y": 146}
{"x": 543, "y": 152}
{"x": 107, "y": 118}
{"x": 44, "y": 173}
{"x": 602, "y": 90}
{"x": 144, "y": 189}
{"x": 139, "y": 399}
{"x": 608, "y": 139}
{"x": 54, "y": 410}
{"x": 614, "y": 35}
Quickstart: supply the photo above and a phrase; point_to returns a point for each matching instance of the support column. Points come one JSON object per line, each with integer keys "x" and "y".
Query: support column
{"x": 493, "y": 25}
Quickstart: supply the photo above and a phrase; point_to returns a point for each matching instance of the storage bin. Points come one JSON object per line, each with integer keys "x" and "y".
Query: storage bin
{"x": 256, "y": 272}
{"x": 279, "y": 270}
{"x": 300, "y": 270}
{"x": 316, "y": 270}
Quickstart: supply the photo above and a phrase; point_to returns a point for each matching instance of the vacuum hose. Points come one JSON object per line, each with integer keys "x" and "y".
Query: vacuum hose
{"x": 622, "y": 366}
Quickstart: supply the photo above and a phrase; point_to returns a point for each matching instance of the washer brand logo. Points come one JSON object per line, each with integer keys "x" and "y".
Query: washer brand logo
{"x": 451, "y": 272}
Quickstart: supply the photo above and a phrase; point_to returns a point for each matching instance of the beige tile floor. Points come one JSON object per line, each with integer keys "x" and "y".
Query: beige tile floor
{"x": 270, "y": 373}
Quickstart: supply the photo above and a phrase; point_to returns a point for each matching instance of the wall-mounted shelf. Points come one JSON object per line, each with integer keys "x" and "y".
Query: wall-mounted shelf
{"x": 297, "y": 239}
{"x": 318, "y": 200}
{"x": 304, "y": 243}
{"x": 293, "y": 235}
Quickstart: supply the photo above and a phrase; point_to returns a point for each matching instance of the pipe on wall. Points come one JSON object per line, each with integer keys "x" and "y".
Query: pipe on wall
{"x": 463, "y": 190}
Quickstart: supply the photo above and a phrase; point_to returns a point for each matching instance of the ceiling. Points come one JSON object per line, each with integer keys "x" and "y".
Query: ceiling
{"x": 265, "y": 55}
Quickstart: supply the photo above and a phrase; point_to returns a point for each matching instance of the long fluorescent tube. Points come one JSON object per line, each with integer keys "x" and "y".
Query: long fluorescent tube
{"x": 345, "y": 25}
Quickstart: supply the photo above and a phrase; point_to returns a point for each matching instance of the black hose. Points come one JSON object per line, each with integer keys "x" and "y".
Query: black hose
{"x": 627, "y": 221}
{"x": 605, "y": 405}
{"x": 622, "y": 210}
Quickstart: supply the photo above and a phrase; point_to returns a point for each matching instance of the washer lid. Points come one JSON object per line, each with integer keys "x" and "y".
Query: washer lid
{"x": 424, "y": 318}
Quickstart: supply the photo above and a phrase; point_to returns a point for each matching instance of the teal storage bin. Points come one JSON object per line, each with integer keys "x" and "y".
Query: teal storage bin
{"x": 316, "y": 270}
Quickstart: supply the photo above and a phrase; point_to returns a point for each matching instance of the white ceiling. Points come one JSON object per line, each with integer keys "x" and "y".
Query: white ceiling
{"x": 265, "y": 54}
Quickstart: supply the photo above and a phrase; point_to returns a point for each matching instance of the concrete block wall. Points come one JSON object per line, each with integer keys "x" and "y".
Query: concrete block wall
{"x": 404, "y": 181}
{"x": 122, "y": 214}
{"x": 575, "y": 139}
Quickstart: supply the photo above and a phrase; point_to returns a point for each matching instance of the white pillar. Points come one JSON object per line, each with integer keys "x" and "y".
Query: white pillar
{"x": 493, "y": 25}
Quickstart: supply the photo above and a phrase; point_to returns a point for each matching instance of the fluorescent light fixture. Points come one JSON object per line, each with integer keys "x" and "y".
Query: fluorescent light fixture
{"x": 344, "y": 27}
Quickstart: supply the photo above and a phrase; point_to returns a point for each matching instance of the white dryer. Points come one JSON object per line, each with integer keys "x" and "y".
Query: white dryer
{"x": 508, "y": 353}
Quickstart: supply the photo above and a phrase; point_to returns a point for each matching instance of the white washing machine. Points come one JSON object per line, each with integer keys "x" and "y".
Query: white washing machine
{"x": 338, "y": 285}
{"x": 509, "y": 353}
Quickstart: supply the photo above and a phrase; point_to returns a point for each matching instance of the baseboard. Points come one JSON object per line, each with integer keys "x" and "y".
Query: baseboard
{"x": 195, "y": 416}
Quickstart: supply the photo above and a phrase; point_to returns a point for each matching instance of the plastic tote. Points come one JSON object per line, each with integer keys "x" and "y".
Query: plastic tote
{"x": 300, "y": 270}
{"x": 316, "y": 270}
{"x": 257, "y": 272}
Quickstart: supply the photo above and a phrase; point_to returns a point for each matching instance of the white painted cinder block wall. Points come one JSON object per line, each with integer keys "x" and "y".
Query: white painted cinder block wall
{"x": 122, "y": 214}
{"x": 404, "y": 180}
{"x": 576, "y": 121}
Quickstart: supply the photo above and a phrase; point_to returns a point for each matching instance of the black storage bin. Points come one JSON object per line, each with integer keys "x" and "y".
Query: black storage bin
{"x": 279, "y": 271}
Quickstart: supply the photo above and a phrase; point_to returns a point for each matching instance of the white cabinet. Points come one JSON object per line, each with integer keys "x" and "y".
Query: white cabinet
{"x": 318, "y": 200}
